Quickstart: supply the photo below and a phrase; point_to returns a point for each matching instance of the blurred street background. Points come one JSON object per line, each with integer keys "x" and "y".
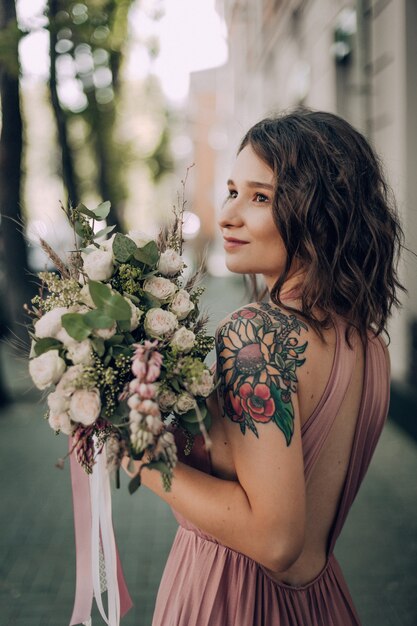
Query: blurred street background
{"x": 114, "y": 100}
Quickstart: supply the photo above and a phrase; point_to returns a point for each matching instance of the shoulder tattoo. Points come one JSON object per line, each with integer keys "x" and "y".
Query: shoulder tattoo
{"x": 258, "y": 357}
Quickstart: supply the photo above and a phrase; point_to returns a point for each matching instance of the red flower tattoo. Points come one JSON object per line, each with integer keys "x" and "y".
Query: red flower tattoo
{"x": 244, "y": 314}
{"x": 257, "y": 402}
{"x": 234, "y": 407}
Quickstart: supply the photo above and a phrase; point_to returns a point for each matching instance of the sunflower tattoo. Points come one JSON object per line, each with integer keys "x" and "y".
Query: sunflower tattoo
{"x": 257, "y": 362}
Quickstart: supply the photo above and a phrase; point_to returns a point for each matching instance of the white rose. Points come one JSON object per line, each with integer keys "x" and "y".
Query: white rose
{"x": 203, "y": 386}
{"x": 62, "y": 422}
{"x": 183, "y": 339}
{"x": 135, "y": 315}
{"x": 46, "y": 369}
{"x": 185, "y": 402}
{"x": 98, "y": 265}
{"x": 160, "y": 323}
{"x": 85, "y": 406}
{"x": 85, "y": 297}
{"x": 170, "y": 262}
{"x": 181, "y": 305}
{"x": 107, "y": 244}
{"x": 80, "y": 352}
{"x": 105, "y": 333}
{"x": 50, "y": 323}
{"x": 65, "y": 337}
{"x": 166, "y": 399}
{"x": 140, "y": 238}
{"x": 160, "y": 288}
{"x": 57, "y": 402}
{"x": 66, "y": 386}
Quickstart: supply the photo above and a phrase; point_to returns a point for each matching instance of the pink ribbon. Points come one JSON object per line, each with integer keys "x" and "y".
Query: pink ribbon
{"x": 82, "y": 523}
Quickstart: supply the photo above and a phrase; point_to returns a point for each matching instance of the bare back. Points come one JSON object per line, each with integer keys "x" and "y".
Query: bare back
{"x": 326, "y": 479}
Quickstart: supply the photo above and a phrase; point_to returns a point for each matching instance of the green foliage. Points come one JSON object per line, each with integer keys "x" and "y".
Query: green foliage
{"x": 148, "y": 255}
{"x": 76, "y": 326}
{"x": 111, "y": 304}
{"x": 45, "y": 344}
{"x": 123, "y": 248}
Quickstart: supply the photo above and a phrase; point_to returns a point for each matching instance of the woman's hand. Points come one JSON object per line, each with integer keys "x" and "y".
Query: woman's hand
{"x": 127, "y": 463}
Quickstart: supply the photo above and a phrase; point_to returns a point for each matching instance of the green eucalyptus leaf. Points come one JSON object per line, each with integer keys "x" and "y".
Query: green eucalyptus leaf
{"x": 150, "y": 301}
{"x": 81, "y": 208}
{"x": 124, "y": 325}
{"x": 191, "y": 415}
{"x": 158, "y": 465}
{"x": 118, "y": 308}
{"x": 102, "y": 211}
{"x": 115, "y": 339}
{"x": 97, "y": 318}
{"x": 100, "y": 293}
{"x": 123, "y": 247}
{"x": 117, "y": 350}
{"x": 149, "y": 254}
{"x": 134, "y": 484}
{"x": 79, "y": 228}
{"x": 98, "y": 345}
{"x": 45, "y": 344}
{"x": 104, "y": 231}
{"x": 76, "y": 326}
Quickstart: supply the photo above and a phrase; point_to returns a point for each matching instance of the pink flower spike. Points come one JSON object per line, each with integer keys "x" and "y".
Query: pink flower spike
{"x": 146, "y": 391}
{"x": 139, "y": 369}
{"x": 153, "y": 373}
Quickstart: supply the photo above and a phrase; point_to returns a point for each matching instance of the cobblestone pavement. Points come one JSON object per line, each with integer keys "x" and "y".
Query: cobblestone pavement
{"x": 377, "y": 550}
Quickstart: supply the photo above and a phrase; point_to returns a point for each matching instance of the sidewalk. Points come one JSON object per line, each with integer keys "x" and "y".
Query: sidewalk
{"x": 377, "y": 550}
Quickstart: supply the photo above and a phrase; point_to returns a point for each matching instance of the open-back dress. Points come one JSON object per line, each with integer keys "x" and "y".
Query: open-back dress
{"x": 208, "y": 584}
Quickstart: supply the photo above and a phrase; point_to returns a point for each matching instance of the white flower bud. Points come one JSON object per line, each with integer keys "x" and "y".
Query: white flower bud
{"x": 185, "y": 402}
{"x": 98, "y": 265}
{"x": 160, "y": 323}
{"x": 85, "y": 406}
{"x": 46, "y": 369}
{"x": 80, "y": 352}
{"x": 183, "y": 339}
{"x": 50, "y": 323}
{"x": 170, "y": 262}
{"x": 161, "y": 288}
{"x": 181, "y": 304}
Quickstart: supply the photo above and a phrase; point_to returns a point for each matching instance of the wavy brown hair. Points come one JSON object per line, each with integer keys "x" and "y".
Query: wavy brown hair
{"x": 336, "y": 214}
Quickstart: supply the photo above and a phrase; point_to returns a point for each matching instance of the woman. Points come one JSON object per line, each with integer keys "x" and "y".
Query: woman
{"x": 304, "y": 384}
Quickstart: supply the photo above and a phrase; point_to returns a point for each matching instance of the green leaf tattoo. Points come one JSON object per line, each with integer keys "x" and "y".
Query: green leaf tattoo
{"x": 258, "y": 356}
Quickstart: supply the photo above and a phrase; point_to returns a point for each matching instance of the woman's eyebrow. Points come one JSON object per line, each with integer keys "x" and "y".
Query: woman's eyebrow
{"x": 253, "y": 183}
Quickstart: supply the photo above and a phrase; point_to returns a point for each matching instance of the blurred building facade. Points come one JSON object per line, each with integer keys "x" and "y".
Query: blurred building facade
{"x": 356, "y": 59}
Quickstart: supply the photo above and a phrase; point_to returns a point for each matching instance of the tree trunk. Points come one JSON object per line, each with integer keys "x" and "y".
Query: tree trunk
{"x": 68, "y": 172}
{"x": 13, "y": 245}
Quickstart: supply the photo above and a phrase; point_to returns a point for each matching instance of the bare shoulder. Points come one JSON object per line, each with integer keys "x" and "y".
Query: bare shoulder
{"x": 259, "y": 350}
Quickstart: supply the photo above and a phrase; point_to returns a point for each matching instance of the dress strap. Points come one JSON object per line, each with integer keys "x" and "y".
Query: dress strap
{"x": 372, "y": 415}
{"x": 317, "y": 428}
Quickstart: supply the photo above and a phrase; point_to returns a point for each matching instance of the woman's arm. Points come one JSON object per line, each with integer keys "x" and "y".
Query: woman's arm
{"x": 262, "y": 514}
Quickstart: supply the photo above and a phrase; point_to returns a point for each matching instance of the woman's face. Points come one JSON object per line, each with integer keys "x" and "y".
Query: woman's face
{"x": 252, "y": 242}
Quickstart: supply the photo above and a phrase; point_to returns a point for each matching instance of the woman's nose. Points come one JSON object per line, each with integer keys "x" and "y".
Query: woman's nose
{"x": 230, "y": 215}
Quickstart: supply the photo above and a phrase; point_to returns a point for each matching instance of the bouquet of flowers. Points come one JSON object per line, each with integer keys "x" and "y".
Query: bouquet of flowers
{"x": 119, "y": 344}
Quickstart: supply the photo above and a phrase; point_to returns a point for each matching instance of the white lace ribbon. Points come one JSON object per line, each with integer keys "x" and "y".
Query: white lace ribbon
{"x": 102, "y": 541}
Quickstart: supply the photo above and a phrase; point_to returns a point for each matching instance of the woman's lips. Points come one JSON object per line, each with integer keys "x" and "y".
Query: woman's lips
{"x": 230, "y": 243}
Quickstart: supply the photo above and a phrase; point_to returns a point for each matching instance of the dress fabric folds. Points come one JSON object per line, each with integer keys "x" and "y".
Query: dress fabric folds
{"x": 207, "y": 584}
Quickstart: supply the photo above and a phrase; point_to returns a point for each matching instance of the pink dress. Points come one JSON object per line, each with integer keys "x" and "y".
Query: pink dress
{"x": 208, "y": 584}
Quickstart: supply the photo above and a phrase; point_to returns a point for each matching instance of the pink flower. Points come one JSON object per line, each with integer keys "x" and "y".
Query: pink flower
{"x": 139, "y": 369}
{"x": 146, "y": 391}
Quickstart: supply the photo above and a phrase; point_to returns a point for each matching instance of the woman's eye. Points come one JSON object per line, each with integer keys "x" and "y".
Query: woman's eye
{"x": 260, "y": 197}
{"x": 231, "y": 194}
